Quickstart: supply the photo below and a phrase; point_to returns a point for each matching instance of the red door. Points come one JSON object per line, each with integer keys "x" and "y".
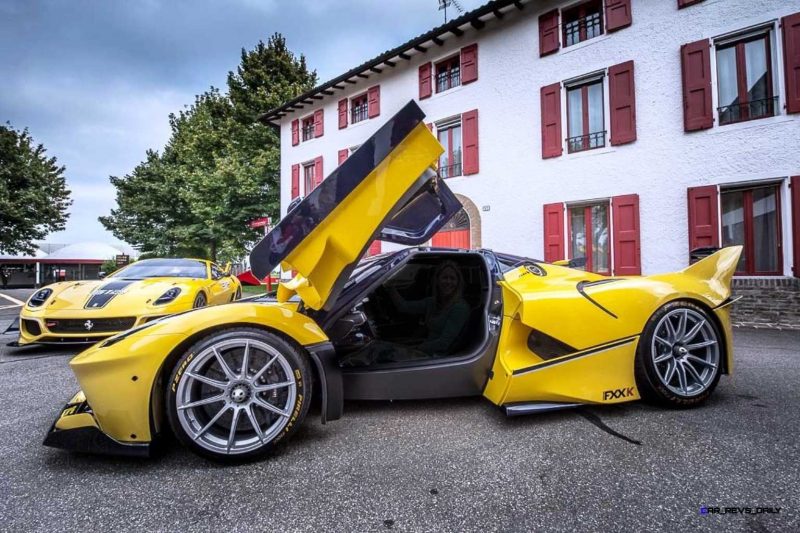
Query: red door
{"x": 458, "y": 238}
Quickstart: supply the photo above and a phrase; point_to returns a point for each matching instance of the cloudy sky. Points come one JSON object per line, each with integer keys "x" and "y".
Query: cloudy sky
{"x": 94, "y": 81}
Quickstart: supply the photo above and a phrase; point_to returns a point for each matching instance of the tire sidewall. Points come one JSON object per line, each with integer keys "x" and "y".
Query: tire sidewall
{"x": 303, "y": 387}
{"x": 649, "y": 384}
{"x": 197, "y": 298}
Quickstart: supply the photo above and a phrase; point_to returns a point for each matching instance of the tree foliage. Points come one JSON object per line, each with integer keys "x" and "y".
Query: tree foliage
{"x": 220, "y": 168}
{"x": 33, "y": 192}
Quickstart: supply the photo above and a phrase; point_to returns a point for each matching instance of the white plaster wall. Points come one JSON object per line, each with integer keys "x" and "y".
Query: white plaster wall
{"x": 515, "y": 182}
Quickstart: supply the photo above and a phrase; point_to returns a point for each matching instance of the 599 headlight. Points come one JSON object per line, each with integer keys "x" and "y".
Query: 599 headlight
{"x": 40, "y": 297}
{"x": 168, "y": 296}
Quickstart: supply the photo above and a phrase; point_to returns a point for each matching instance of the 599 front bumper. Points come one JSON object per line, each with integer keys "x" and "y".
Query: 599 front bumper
{"x": 76, "y": 430}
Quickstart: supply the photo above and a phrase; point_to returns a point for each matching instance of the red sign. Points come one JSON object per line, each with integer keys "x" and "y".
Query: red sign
{"x": 259, "y": 222}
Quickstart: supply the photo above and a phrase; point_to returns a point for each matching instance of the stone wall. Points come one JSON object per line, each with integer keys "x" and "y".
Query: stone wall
{"x": 767, "y": 302}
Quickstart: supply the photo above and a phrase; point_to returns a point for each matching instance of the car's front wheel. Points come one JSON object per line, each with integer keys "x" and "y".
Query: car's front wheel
{"x": 679, "y": 358}
{"x": 235, "y": 395}
{"x": 199, "y": 300}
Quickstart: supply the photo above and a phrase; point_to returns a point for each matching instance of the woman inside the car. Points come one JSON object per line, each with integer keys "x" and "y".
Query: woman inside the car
{"x": 444, "y": 314}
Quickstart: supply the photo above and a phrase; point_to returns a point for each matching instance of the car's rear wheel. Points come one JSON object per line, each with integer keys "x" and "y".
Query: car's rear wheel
{"x": 679, "y": 358}
{"x": 237, "y": 295}
{"x": 199, "y": 300}
{"x": 235, "y": 395}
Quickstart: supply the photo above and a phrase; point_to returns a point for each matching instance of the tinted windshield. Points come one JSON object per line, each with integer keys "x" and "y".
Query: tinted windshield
{"x": 158, "y": 268}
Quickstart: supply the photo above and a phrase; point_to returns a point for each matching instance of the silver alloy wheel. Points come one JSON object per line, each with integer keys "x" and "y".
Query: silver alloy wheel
{"x": 685, "y": 352}
{"x": 236, "y": 396}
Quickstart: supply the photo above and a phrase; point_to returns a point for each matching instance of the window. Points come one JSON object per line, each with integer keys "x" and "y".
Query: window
{"x": 308, "y": 128}
{"x": 585, "y": 118}
{"x": 751, "y": 217}
{"x": 589, "y": 237}
{"x": 359, "y": 108}
{"x": 308, "y": 177}
{"x": 744, "y": 79}
{"x": 583, "y": 22}
{"x": 448, "y": 74}
{"x": 449, "y": 135}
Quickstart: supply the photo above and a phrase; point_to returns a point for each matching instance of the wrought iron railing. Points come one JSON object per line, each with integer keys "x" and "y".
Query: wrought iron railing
{"x": 448, "y": 79}
{"x": 579, "y": 143}
{"x": 359, "y": 113}
{"x": 582, "y": 29}
{"x": 449, "y": 171}
{"x": 761, "y": 108}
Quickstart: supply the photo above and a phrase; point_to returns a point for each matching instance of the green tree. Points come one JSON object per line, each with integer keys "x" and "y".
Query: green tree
{"x": 33, "y": 192}
{"x": 220, "y": 168}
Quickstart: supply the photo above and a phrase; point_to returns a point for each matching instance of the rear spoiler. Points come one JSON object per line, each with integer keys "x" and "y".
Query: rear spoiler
{"x": 716, "y": 270}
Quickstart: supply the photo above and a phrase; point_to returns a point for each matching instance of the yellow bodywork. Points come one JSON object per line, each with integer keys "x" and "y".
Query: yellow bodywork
{"x": 120, "y": 381}
{"x": 552, "y": 305}
{"x": 341, "y": 237}
{"x": 69, "y": 299}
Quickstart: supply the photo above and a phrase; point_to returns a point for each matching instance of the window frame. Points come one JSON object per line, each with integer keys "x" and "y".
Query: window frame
{"x": 587, "y": 228}
{"x": 448, "y": 125}
{"x": 581, "y": 8}
{"x": 448, "y": 62}
{"x": 309, "y": 173}
{"x": 307, "y": 127}
{"x": 583, "y": 85}
{"x": 356, "y": 108}
{"x": 738, "y": 41}
{"x": 749, "y": 235}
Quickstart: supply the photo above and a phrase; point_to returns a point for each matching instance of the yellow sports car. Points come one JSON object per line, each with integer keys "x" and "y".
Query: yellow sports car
{"x": 87, "y": 311}
{"x": 232, "y": 382}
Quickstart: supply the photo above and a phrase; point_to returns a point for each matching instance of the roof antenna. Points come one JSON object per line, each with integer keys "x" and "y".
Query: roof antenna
{"x": 444, "y": 4}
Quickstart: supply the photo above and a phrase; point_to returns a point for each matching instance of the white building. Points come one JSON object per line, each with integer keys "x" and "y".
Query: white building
{"x": 650, "y": 126}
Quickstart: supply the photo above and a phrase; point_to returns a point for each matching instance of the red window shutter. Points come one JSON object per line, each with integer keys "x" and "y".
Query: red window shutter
{"x": 696, "y": 73}
{"x": 469, "y": 64}
{"x": 686, "y": 3}
{"x": 343, "y": 154}
{"x": 374, "y": 101}
{"x": 791, "y": 61}
{"x": 622, "y": 99}
{"x": 618, "y": 14}
{"x": 318, "y": 171}
{"x": 553, "y": 232}
{"x": 794, "y": 191}
{"x": 295, "y": 132}
{"x": 703, "y": 217}
{"x": 469, "y": 127}
{"x": 319, "y": 123}
{"x": 342, "y": 113}
{"x": 551, "y": 121}
{"x": 627, "y": 247}
{"x": 548, "y": 33}
{"x": 374, "y": 248}
{"x": 425, "y": 86}
{"x": 295, "y": 181}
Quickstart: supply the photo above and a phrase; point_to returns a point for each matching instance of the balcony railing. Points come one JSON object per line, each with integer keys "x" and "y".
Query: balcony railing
{"x": 580, "y": 30}
{"x": 447, "y": 79}
{"x": 450, "y": 171}
{"x": 359, "y": 113}
{"x": 754, "y": 109}
{"x": 580, "y": 143}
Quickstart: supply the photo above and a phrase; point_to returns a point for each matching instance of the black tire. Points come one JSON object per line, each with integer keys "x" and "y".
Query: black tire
{"x": 651, "y": 377}
{"x": 199, "y": 300}
{"x": 179, "y": 388}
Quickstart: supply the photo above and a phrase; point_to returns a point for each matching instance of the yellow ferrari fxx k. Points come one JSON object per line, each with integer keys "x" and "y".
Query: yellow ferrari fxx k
{"x": 88, "y": 311}
{"x": 232, "y": 382}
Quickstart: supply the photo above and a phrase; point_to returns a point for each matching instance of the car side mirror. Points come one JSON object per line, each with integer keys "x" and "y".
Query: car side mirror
{"x": 101, "y": 275}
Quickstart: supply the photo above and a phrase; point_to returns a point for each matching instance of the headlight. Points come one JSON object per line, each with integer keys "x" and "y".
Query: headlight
{"x": 168, "y": 296}
{"x": 40, "y": 297}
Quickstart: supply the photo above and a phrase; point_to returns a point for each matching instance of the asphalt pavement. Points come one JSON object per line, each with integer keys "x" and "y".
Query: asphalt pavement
{"x": 455, "y": 465}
